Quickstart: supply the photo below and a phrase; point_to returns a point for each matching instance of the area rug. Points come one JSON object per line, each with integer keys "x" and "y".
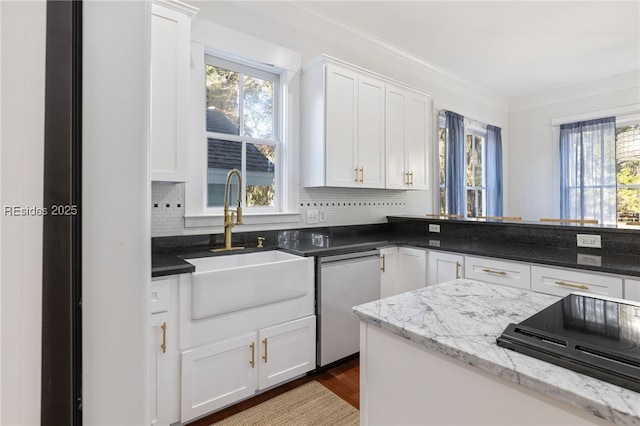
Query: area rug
{"x": 309, "y": 404}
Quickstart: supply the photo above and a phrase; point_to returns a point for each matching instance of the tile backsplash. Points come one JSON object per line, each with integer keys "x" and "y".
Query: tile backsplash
{"x": 340, "y": 206}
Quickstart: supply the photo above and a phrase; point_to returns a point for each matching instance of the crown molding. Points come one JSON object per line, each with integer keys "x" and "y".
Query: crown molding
{"x": 290, "y": 13}
{"x": 620, "y": 83}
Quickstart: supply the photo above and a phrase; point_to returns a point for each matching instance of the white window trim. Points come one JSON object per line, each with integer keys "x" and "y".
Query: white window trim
{"x": 238, "y": 47}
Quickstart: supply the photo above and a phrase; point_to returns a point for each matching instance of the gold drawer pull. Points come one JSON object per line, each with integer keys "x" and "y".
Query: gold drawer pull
{"x": 265, "y": 349}
{"x": 457, "y": 268}
{"x": 357, "y": 179}
{"x": 252, "y": 363}
{"x": 411, "y": 178}
{"x": 579, "y": 287}
{"x": 164, "y": 337}
{"x": 491, "y": 271}
{"x": 382, "y": 269}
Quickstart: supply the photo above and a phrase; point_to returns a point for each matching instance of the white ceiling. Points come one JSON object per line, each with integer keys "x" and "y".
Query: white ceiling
{"x": 512, "y": 48}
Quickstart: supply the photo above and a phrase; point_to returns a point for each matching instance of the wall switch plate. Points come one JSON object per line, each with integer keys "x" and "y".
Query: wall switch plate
{"x": 323, "y": 215}
{"x": 312, "y": 216}
{"x": 434, "y": 228}
{"x": 587, "y": 240}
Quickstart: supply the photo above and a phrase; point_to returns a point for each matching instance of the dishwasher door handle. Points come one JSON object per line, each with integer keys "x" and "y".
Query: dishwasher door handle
{"x": 349, "y": 256}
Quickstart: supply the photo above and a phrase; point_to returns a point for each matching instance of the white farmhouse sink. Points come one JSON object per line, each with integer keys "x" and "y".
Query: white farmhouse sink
{"x": 223, "y": 284}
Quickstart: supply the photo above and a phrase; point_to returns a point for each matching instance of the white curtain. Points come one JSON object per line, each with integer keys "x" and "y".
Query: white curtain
{"x": 588, "y": 170}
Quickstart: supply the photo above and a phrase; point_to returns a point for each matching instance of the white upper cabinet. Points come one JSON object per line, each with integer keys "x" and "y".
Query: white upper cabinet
{"x": 343, "y": 127}
{"x": 408, "y": 135}
{"x": 362, "y": 130}
{"x": 170, "y": 46}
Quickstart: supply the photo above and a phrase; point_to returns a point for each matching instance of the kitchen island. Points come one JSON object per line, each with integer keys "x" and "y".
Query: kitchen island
{"x": 430, "y": 357}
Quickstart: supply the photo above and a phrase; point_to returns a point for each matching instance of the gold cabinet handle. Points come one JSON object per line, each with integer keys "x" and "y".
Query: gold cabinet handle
{"x": 252, "y": 363}
{"x": 579, "y": 287}
{"x": 406, "y": 178}
{"x": 491, "y": 271}
{"x": 357, "y": 179}
{"x": 361, "y": 174}
{"x": 382, "y": 269}
{"x": 265, "y": 349}
{"x": 457, "y": 267}
{"x": 164, "y": 337}
{"x": 411, "y": 178}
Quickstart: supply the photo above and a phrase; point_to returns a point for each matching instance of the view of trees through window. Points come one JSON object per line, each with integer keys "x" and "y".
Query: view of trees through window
{"x": 628, "y": 173}
{"x": 241, "y": 106}
{"x": 474, "y": 175}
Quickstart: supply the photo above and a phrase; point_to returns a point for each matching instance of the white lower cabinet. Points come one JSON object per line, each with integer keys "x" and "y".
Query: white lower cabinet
{"x": 222, "y": 373}
{"x": 164, "y": 361}
{"x": 444, "y": 267}
{"x": 412, "y": 267}
{"x": 632, "y": 289}
{"x": 389, "y": 272}
{"x": 561, "y": 282}
{"x": 402, "y": 269}
{"x": 512, "y": 274}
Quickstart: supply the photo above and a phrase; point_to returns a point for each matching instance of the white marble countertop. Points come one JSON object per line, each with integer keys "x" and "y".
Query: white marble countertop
{"x": 463, "y": 318}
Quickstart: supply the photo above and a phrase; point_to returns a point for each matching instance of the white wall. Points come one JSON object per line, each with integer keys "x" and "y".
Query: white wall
{"x": 533, "y": 166}
{"x": 21, "y": 154}
{"x": 311, "y": 35}
{"x": 116, "y": 224}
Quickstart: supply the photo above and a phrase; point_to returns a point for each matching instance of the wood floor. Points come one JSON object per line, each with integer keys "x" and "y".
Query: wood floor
{"x": 342, "y": 379}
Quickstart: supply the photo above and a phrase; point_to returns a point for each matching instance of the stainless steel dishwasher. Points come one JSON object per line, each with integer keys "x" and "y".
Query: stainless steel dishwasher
{"x": 343, "y": 281}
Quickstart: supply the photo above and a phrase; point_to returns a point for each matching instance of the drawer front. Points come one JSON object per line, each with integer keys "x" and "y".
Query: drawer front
{"x": 159, "y": 296}
{"x": 561, "y": 282}
{"x": 632, "y": 289}
{"x": 512, "y": 274}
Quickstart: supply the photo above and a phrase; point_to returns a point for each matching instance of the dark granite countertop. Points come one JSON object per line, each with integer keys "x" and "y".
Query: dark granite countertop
{"x": 587, "y": 259}
{"x": 536, "y": 244}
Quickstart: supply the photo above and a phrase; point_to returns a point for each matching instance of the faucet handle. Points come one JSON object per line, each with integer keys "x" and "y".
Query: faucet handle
{"x": 239, "y": 216}
{"x": 260, "y": 241}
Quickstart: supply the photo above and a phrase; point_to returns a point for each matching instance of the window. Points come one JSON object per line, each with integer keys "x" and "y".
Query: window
{"x": 628, "y": 171}
{"x": 242, "y": 130}
{"x": 474, "y": 170}
{"x": 474, "y": 174}
{"x": 600, "y": 170}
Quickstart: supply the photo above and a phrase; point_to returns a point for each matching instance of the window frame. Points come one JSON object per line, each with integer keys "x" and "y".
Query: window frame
{"x": 217, "y": 40}
{"x": 477, "y": 132}
{"x": 276, "y": 141}
{"x": 475, "y": 129}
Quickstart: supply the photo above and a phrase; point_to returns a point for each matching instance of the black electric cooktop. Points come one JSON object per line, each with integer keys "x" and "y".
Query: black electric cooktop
{"x": 596, "y": 336}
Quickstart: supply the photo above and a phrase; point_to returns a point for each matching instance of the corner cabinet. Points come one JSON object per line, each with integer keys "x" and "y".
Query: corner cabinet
{"x": 402, "y": 269}
{"x": 342, "y": 126}
{"x": 408, "y": 135}
{"x": 170, "y": 56}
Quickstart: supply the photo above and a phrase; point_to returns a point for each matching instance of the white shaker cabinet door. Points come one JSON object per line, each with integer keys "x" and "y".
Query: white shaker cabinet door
{"x": 341, "y": 111}
{"x": 445, "y": 267}
{"x": 371, "y": 110}
{"x": 286, "y": 351}
{"x": 218, "y": 374}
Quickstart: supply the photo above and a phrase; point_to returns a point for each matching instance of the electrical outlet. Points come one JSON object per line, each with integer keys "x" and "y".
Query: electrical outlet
{"x": 587, "y": 259}
{"x": 312, "y": 216}
{"x": 434, "y": 228}
{"x": 587, "y": 240}
{"x": 323, "y": 215}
